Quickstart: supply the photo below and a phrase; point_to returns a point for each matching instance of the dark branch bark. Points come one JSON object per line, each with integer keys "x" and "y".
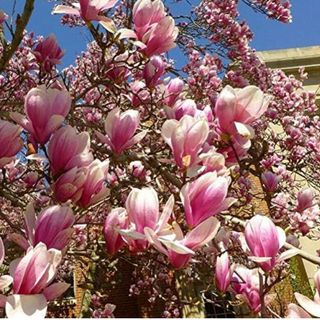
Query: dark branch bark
{"x": 18, "y": 35}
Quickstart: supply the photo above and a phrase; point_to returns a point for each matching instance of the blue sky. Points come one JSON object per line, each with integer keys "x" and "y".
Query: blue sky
{"x": 269, "y": 34}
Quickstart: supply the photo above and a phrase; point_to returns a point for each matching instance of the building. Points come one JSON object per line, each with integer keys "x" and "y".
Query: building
{"x": 290, "y": 61}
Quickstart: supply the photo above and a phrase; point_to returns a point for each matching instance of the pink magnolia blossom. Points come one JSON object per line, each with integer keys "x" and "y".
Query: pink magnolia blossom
{"x": 295, "y": 312}
{"x": 209, "y": 162}
{"x": 90, "y": 10}
{"x": 153, "y": 70}
{"x": 154, "y": 31}
{"x": 73, "y": 146}
{"x": 312, "y": 307}
{"x": 53, "y": 226}
{"x": 142, "y": 208}
{"x": 179, "y": 248}
{"x": 236, "y": 109}
{"x": 246, "y": 283}
{"x": 185, "y": 138}
{"x": 46, "y": 109}
{"x": 117, "y": 219}
{"x": 120, "y": 129}
{"x": 264, "y": 240}
{"x": 139, "y": 93}
{"x": 32, "y": 278}
{"x": 205, "y": 197}
{"x": 182, "y": 108}
{"x": 153, "y": 27}
{"x": 270, "y": 181}
{"x": 172, "y": 91}
{"x": 145, "y": 14}
{"x": 305, "y": 199}
{"x": 223, "y": 272}
{"x": 94, "y": 189}
{"x": 84, "y": 186}
{"x": 48, "y": 52}
{"x": 10, "y": 142}
{"x": 69, "y": 185}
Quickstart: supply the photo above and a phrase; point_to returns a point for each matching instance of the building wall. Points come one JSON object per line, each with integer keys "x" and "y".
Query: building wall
{"x": 290, "y": 61}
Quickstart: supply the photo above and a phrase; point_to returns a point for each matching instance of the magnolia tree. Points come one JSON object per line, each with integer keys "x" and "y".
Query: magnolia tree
{"x": 124, "y": 157}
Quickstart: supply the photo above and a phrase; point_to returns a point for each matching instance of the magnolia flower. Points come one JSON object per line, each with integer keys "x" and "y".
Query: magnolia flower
{"x": 90, "y": 10}
{"x": 265, "y": 240}
{"x": 153, "y": 70}
{"x": 236, "y": 109}
{"x": 246, "y": 283}
{"x": 142, "y": 207}
{"x": 270, "y": 181}
{"x": 185, "y": 138}
{"x": 94, "y": 189}
{"x": 179, "y": 248}
{"x": 309, "y": 307}
{"x": 46, "y": 109}
{"x": 117, "y": 219}
{"x": 223, "y": 272}
{"x": 69, "y": 185}
{"x": 48, "y": 52}
{"x": 312, "y": 307}
{"x": 32, "y": 278}
{"x": 211, "y": 161}
{"x": 182, "y": 108}
{"x": 154, "y": 31}
{"x": 120, "y": 129}
{"x": 295, "y": 312}
{"x": 172, "y": 91}
{"x": 139, "y": 93}
{"x": 205, "y": 197}
{"x": 53, "y": 227}
{"x": 84, "y": 186}
{"x": 10, "y": 142}
{"x": 74, "y": 147}
{"x": 305, "y": 199}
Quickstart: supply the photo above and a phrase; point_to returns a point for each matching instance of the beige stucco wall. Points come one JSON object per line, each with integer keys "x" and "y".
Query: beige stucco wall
{"x": 290, "y": 60}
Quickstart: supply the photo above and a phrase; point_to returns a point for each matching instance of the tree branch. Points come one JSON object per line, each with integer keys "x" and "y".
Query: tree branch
{"x": 18, "y": 35}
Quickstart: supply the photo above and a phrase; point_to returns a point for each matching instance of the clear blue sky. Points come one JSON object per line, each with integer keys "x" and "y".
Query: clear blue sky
{"x": 269, "y": 34}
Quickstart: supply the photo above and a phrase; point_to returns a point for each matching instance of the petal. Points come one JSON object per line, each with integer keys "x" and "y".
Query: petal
{"x": 281, "y": 237}
{"x": 288, "y": 254}
{"x": 55, "y": 290}
{"x": 153, "y": 239}
{"x": 244, "y": 130}
{"x": 295, "y": 311}
{"x": 65, "y": 10}
{"x": 5, "y": 281}
{"x": 108, "y": 24}
{"x": 26, "y": 306}
{"x": 310, "y": 306}
{"x": 2, "y": 252}
{"x": 135, "y": 139}
{"x": 132, "y": 234}
{"x": 202, "y": 234}
{"x": 259, "y": 259}
{"x": 126, "y": 33}
{"x": 176, "y": 246}
{"x": 166, "y": 213}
